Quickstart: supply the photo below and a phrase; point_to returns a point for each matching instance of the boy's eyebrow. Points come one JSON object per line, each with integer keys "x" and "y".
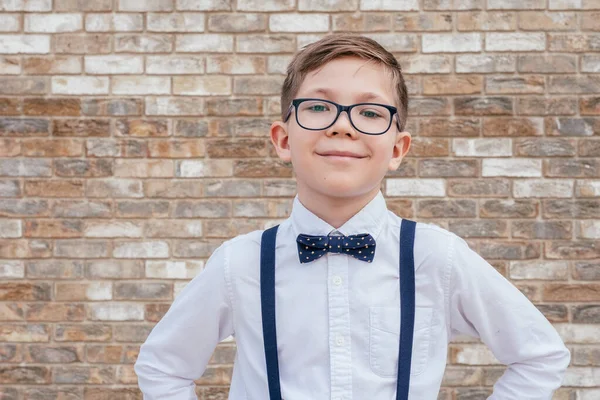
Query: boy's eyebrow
{"x": 364, "y": 96}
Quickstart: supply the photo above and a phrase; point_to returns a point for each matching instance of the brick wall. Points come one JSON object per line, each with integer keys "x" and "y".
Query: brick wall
{"x": 134, "y": 140}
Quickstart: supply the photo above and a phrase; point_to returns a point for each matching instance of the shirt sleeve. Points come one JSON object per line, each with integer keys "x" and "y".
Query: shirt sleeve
{"x": 486, "y": 305}
{"x": 180, "y": 345}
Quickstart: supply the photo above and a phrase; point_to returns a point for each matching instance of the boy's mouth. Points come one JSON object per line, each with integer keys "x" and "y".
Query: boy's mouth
{"x": 340, "y": 154}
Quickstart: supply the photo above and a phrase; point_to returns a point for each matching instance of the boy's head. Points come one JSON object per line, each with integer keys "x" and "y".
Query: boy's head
{"x": 347, "y": 70}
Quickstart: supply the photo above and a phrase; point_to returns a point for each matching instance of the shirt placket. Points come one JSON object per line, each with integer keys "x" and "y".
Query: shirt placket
{"x": 340, "y": 352}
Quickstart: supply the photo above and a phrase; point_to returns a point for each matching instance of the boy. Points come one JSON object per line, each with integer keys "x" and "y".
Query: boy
{"x": 345, "y": 323}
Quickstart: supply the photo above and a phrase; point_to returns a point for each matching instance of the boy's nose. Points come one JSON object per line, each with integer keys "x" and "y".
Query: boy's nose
{"x": 342, "y": 125}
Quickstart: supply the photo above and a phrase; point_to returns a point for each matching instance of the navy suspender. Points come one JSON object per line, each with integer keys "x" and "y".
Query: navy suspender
{"x": 407, "y": 303}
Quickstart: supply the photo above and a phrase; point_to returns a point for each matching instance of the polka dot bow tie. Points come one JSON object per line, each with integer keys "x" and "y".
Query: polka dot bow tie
{"x": 360, "y": 246}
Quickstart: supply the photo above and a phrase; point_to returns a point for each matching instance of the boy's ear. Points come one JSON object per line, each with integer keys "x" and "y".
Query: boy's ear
{"x": 280, "y": 139}
{"x": 401, "y": 146}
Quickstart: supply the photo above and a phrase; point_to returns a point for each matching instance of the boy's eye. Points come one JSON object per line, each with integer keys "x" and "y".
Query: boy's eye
{"x": 370, "y": 114}
{"x": 318, "y": 107}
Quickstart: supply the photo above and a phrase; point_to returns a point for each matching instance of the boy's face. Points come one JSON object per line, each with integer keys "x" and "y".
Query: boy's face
{"x": 346, "y": 81}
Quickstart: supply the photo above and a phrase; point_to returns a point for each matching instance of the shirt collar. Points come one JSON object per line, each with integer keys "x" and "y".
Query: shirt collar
{"x": 370, "y": 219}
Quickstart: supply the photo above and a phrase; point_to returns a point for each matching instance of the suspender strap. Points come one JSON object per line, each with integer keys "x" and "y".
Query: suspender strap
{"x": 407, "y": 305}
{"x": 407, "y": 301}
{"x": 267, "y": 304}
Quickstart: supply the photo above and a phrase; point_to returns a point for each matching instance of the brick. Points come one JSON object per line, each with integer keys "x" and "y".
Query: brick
{"x": 168, "y": 65}
{"x": 564, "y": 4}
{"x": 141, "y": 128}
{"x": 515, "y": 41}
{"x": 10, "y": 65}
{"x": 205, "y": 42}
{"x": 142, "y": 209}
{"x": 83, "y": 375}
{"x": 100, "y": 393}
{"x": 208, "y": 5}
{"x": 111, "y": 107}
{"x": 79, "y": 85}
{"x": 513, "y": 127}
{"x": 453, "y": 85}
{"x": 23, "y": 127}
{"x": 548, "y": 21}
{"x": 451, "y": 43}
{"x": 574, "y": 84}
{"x": 572, "y": 126}
{"x": 574, "y": 42}
{"x": 265, "y": 44}
{"x": 514, "y": 85}
{"x": 10, "y": 23}
{"x": 147, "y": 5}
{"x": 430, "y": 147}
{"x": 446, "y": 209}
{"x": 81, "y": 127}
{"x": 114, "y": 64}
{"x": 517, "y": 4}
{"x": 581, "y": 249}
{"x": 586, "y": 314}
{"x": 262, "y": 168}
{"x": 237, "y": 22}
{"x": 142, "y": 169}
{"x": 12, "y": 269}
{"x": 486, "y": 21}
{"x": 468, "y": 127}
{"x": 506, "y": 208}
{"x": 50, "y": 228}
{"x": 116, "y": 312}
{"x": 207, "y": 168}
{"x": 82, "y": 5}
{"x": 10, "y": 106}
{"x": 142, "y": 291}
{"x": 453, "y": 4}
{"x": 83, "y": 44}
{"x": 479, "y": 228}
{"x": 550, "y": 230}
{"x": 571, "y": 292}
{"x": 25, "y": 333}
{"x": 260, "y": 85}
{"x": 513, "y": 250}
{"x": 201, "y": 209}
{"x": 22, "y": 167}
{"x": 186, "y": 269}
{"x": 39, "y": 291}
{"x": 84, "y": 168}
{"x": 54, "y": 354}
{"x": 482, "y": 147}
{"x": 332, "y": 5}
{"x": 485, "y": 63}
{"x": 362, "y": 22}
{"x": 483, "y": 105}
{"x": 24, "y": 44}
{"x": 234, "y": 107}
{"x": 52, "y": 148}
{"x": 23, "y": 86}
{"x": 25, "y": 375}
{"x": 147, "y": 249}
{"x": 94, "y": 291}
{"x": 279, "y": 187}
{"x": 26, "y": 5}
{"x": 273, "y": 5}
{"x": 560, "y": 208}
{"x": 132, "y": 333}
{"x": 174, "y": 106}
{"x": 238, "y": 64}
{"x": 23, "y": 207}
{"x": 426, "y": 64}
{"x": 389, "y": 5}
{"x": 547, "y": 63}
{"x": 9, "y": 148}
{"x": 589, "y": 105}
{"x": 590, "y": 63}
{"x": 173, "y": 228}
{"x": 429, "y": 106}
{"x": 10, "y": 228}
{"x": 172, "y": 188}
{"x": 589, "y": 148}
{"x": 51, "y": 107}
{"x": 53, "y": 23}
{"x": 104, "y": 354}
{"x": 76, "y": 248}
{"x": 586, "y": 270}
{"x": 232, "y": 188}
{"x": 589, "y": 21}
{"x": 202, "y": 86}
{"x": 150, "y": 43}
{"x": 423, "y": 22}
{"x": 115, "y": 269}
{"x": 511, "y": 167}
{"x": 545, "y": 147}
{"x": 141, "y": 85}
{"x": 237, "y": 148}
{"x": 587, "y": 188}
{"x": 114, "y": 229}
{"x": 415, "y": 187}
{"x": 555, "y": 105}
{"x": 114, "y": 22}
{"x": 56, "y": 312}
{"x": 82, "y": 332}
{"x": 175, "y": 22}
{"x": 299, "y": 22}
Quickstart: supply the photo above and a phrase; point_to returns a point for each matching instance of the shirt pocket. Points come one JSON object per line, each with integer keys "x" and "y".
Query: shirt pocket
{"x": 384, "y": 332}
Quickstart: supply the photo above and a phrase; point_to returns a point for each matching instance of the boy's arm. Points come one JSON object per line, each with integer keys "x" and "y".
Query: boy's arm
{"x": 484, "y": 304}
{"x": 179, "y": 347}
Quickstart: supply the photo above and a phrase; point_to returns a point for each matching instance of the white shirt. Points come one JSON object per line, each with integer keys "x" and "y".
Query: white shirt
{"x": 338, "y": 318}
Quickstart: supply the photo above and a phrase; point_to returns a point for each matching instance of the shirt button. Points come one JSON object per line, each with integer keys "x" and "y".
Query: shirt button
{"x": 337, "y": 280}
{"x": 339, "y": 340}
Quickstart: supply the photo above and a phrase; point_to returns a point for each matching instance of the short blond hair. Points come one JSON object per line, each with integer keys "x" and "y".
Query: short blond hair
{"x": 332, "y": 46}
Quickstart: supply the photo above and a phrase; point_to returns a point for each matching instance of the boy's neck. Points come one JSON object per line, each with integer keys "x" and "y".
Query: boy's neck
{"x": 336, "y": 211}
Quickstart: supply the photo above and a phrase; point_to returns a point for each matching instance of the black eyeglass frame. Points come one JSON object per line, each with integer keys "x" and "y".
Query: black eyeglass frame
{"x": 296, "y": 102}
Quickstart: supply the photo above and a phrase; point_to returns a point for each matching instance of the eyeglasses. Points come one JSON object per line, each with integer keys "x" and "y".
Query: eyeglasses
{"x": 318, "y": 114}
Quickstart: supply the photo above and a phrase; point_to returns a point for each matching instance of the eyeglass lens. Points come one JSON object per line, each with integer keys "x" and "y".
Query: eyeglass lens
{"x": 370, "y": 118}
